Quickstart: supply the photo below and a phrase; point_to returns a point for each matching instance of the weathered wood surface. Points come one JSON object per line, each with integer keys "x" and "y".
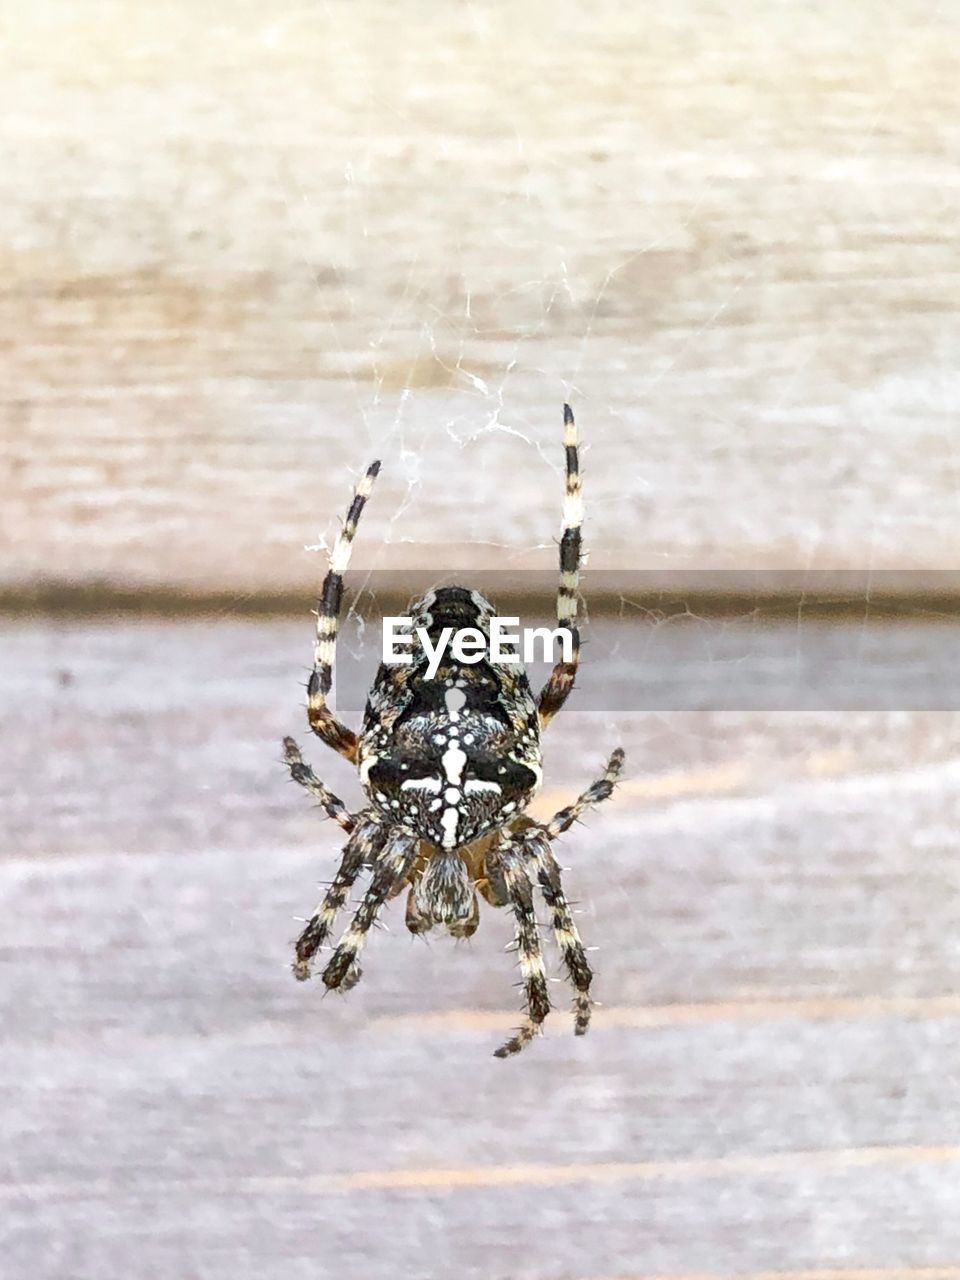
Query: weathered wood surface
{"x": 770, "y": 1090}
{"x": 243, "y": 249}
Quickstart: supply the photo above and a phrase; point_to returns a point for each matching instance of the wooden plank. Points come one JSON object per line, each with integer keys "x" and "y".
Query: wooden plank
{"x": 769, "y": 1090}
{"x": 242, "y": 256}
{"x": 185, "y": 721}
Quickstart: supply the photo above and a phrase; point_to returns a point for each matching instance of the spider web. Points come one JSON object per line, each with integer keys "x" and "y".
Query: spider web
{"x": 500, "y": 228}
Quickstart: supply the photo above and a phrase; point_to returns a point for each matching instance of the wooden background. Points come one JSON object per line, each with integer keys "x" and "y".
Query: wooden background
{"x": 244, "y": 248}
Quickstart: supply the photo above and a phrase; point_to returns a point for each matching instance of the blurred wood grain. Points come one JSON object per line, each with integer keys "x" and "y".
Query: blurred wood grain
{"x": 770, "y": 1089}
{"x": 243, "y": 250}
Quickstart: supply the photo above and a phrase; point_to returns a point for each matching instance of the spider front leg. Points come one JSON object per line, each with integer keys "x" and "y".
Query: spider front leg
{"x": 391, "y": 865}
{"x": 322, "y": 720}
{"x": 557, "y": 689}
{"x": 520, "y": 895}
{"x": 365, "y": 841}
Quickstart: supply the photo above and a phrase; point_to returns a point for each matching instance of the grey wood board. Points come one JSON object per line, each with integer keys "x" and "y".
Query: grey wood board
{"x": 244, "y": 253}
{"x": 770, "y": 1084}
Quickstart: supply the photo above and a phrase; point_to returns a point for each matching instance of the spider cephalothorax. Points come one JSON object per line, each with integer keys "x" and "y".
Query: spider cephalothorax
{"x": 449, "y": 759}
{"x": 453, "y": 756}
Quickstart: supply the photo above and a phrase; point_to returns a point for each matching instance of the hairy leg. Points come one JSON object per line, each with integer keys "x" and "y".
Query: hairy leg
{"x": 544, "y": 865}
{"x": 365, "y": 840}
{"x": 322, "y": 720}
{"x": 301, "y": 772}
{"x": 557, "y": 689}
{"x": 528, "y": 950}
{"x": 595, "y": 794}
{"x": 391, "y": 865}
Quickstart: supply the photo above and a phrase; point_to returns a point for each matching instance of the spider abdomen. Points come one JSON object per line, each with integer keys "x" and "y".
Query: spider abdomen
{"x": 451, "y": 754}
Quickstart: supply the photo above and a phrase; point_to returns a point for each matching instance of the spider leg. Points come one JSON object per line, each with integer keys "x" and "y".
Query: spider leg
{"x": 528, "y": 949}
{"x": 391, "y": 865}
{"x": 537, "y": 848}
{"x": 535, "y": 844}
{"x": 322, "y": 720}
{"x": 414, "y": 918}
{"x": 301, "y": 772}
{"x": 596, "y": 793}
{"x": 365, "y": 839}
{"x": 557, "y": 689}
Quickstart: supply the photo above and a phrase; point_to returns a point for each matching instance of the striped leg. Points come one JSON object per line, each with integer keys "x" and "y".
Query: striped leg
{"x": 301, "y": 772}
{"x": 391, "y": 865}
{"x": 322, "y": 720}
{"x": 596, "y": 793}
{"x": 364, "y": 843}
{"x": 557, "y": 689}
{"x": 537, "y": 847}
{"x": 528, "y": 949}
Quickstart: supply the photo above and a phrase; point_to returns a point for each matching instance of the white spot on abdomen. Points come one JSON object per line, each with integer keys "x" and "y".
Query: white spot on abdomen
{"x": 432, "y": 785}
{"x": 453, "y": 760}
{"x": 449, "y": 820}
{"x": 455, "y": 700}
{"x": 365, "y": 767}
{"x": 477, "y": 784}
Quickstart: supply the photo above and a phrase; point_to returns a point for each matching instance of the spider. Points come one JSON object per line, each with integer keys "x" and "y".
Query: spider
{"x": 448, "y": 766}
